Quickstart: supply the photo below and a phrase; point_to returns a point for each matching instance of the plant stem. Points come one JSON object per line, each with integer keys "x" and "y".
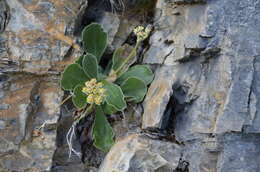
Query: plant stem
{"x": 131, "y": 55}
{"x": 113, "y": 75}
{"x": 67, "y": 98}
{"x": 87, "y": 112}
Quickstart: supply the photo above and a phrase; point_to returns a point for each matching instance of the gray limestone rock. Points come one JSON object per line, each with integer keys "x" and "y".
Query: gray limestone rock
{"x": 157, "y": 98}
{"x": 240, "y": 153}
{"x": 214, "y": 81}
{"x": 137, "y": 153}
{"x": 189, "y": 1}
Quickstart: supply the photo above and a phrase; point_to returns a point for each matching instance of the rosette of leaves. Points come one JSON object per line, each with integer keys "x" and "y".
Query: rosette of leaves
{"x": 123, "y": 82}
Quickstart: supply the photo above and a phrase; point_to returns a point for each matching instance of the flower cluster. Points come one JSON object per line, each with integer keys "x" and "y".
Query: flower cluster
{"x": 94, "y": 91}
{"x": 142, "y": 33}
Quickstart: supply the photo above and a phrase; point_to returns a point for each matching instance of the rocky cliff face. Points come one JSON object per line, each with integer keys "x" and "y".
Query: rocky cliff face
{"x": 201, "y": 112}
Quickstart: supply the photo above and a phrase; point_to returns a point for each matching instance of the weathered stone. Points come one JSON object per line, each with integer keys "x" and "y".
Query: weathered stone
{"x": 31, "y": 105}
{"x": 15, "y": 162}
{"x": 209, "y": 93}
{"x": 34, "y": 41}
{"x": 21, "y": 107}
{"x": 137, "y": 153}
{"x": 240, "y": 153}
{"x": 214, "y": 81}
{"x": 4, "y": 106}
{"x": 7, "y": 146}
{"x": 43, "y": 143}
{"x": 36, "y": 33}
{"x": 61, "y": 160}
{"x": 161, "y": 40}
{"x": 125, "y": 28}
{"x": 157, "y": 98}
{"x": 199, "y": 158}
{"x": 4, "y": 15}
{"x": 69, "y": 168}
{"x": 161, "y": 47}
{"x": 189, "y": 1}
{"x": 2, "y": 125}
{"x": 251, "y": 123}
{"x": 110, "y": 22}
{"x": 194, "y": 42}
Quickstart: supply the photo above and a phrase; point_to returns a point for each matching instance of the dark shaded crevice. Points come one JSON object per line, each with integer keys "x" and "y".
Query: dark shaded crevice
{"x": 31, "y": 110}
{"x": 106, "y": 62}
{"x": 4, "y": 15}
{"x": 189, "y": 2}
{"x": 167, "y": 55}
{"x": 82, "y": 142}
{"x": 91, "y": 156}
{"x": 141, "y": 10}
{"x": 252, "y": 90}
{"x": 60, "y": 158}
{"x": 183, "y": 166}
{"x": 90, "y": 12}
{"x": 210, "y": 53}
{"x": 179, "y": 101}
{"x": 3, "y": 78}
{"x": 166, "y": 131}
{"x": 93, "y": 11}
{"x": 190, "y": 54}
{"x": 252, "y": 84}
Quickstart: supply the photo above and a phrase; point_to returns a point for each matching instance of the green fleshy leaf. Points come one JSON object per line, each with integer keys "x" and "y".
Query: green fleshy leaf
{"x": 101, "y": 73}
{"x": 120, "y": 56}
{"x": 100, "y": 69}
{"x": 72, "y": 76}
{"x": 102, "y": 131}
{"x": 94, "y": 40}
{"x": 134, "y": 89}
{"x": 101, "y": 76}
{"x": 79, "y": 60}
{"x": 114, "y": 96}
{"x": 108, "y": 109}
{"x": 79, "y": 98}
{"x": 90, "y": 66}
{"x": 142, "y": 72}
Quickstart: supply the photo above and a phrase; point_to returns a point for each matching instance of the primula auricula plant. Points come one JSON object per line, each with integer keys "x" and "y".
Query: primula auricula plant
{"x": 101, "y": 92}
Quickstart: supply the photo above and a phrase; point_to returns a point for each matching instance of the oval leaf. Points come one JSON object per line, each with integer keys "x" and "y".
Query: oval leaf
{"x": 120, "y": 56}
{"x": 142, "y": 72}
{"x": 134, "y": 89}
{"x": 79, "y": 60}
{"x": 72, "y": 76}
{"x": 102, "y": 131}
{"x": 108, "y": 109}
{"x": 94, "y": 40}
{"x": 90, "y": 66}
{"x": 114, "y": 96}
{"x": 79, "y": 98}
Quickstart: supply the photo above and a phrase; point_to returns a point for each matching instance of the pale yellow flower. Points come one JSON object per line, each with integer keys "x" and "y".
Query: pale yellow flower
{"x": 94, "y": 91}
{"x": 90, "y": 99}
{"x": 102, "y": 91}
{"x": 98, "y": 100}
{"x": 99, "y": 84}
{"x": 93, "y": 81}
{"x": 142, "y": 33}
{"x": 86, "y": 90}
